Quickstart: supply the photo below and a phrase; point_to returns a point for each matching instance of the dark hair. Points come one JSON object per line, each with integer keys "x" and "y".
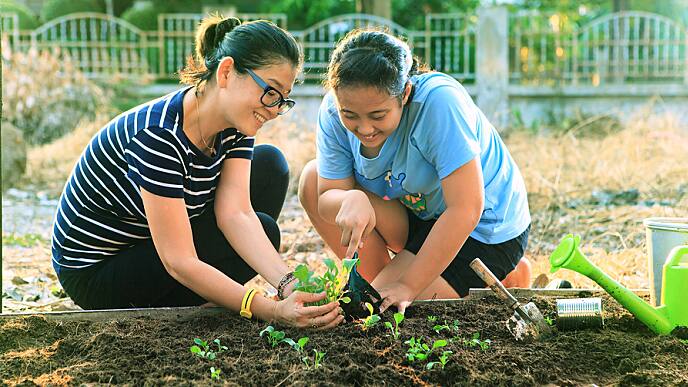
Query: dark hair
{"x": 252, "y": 45}
{"x": 372, "y": 58}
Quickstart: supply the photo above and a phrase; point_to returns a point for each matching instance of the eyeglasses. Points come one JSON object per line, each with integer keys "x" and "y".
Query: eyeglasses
{"x": 272, "y": 97}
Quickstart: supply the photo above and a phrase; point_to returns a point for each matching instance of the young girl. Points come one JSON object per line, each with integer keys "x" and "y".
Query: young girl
{"x": 407, "y": 162}
{"x": 158, "y": 211}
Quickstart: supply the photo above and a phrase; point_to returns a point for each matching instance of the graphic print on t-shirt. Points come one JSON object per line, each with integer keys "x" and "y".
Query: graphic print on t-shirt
{"x": 389, "y": 187}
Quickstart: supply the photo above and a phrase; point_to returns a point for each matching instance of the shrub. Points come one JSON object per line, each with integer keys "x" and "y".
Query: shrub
{"x": 46, "y": 96}
{"x": 52, "y": 9}
{"x": 27, "y": 19}
{"x": 144, "y": 16}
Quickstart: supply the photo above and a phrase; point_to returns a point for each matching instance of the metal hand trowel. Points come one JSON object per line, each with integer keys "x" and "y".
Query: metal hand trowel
{"x": 527, "y": 323}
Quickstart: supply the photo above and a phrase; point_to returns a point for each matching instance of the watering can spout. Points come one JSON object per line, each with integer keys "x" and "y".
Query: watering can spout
{"x": 568, "y": 256}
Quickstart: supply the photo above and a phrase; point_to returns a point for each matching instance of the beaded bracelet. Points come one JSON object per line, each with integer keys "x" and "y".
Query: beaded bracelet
{"x": 286, "y": 280}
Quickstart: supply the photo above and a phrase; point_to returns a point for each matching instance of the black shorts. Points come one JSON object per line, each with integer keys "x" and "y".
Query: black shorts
{"x": 500, "y": 258}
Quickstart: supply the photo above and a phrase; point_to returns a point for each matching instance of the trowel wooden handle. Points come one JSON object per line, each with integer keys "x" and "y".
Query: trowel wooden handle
{"x": 491, "y": 280}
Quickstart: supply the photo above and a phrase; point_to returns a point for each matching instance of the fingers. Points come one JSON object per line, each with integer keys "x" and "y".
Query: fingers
{"x": 322, "y": 321}
{"x": 386, "y": 303}
{"x": 355, "y": 241}
{"x": 338, "y": 320}
{"x": 319, "y": 310}
{"x": 346, "y": 236}
{"x": 307, "y": 298}
{"x": 402, "y": 307}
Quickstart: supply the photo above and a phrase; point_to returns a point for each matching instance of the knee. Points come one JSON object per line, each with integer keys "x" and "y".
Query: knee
{"x": 308, "y": 186}
{"x": 271, "y": 229}
{"x": 269, "y": 158}
{"x": 524, "y": 265}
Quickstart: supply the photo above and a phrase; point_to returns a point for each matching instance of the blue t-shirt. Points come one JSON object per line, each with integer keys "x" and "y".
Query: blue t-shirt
{"x": 440, "y": 130}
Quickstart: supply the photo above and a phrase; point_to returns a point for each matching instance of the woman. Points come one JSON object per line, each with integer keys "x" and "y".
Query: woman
{"x": 406, "y": 162}
{"x": 158, "y": 211}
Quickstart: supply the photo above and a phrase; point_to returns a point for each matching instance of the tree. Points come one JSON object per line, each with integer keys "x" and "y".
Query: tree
{"x": 382, "y": 8}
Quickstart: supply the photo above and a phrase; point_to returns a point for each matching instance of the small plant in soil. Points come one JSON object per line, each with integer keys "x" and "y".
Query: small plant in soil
{"x": 475, "y": 341}
{"x": 454, "y": 327}
{"x": 369, "y": 321}
{"x": 317, "y": 359}
{"x": 204, "y": 350}
{"x": 297, "y": 345}
{"x": 332, "y": 281}
{"x": 432, "y": 319}
{"x": 215, "y": 373}
{"x": 443, "y": 360}
{"x": 274, "y": 336}
{"x": 549, "y": 320}
{"x": 418, "y": 350}
{"x": 441, "y": 327}
{"x": 394, "y": 329}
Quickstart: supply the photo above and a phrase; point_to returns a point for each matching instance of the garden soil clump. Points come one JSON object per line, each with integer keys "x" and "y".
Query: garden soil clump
{"x": 36, "y": 350}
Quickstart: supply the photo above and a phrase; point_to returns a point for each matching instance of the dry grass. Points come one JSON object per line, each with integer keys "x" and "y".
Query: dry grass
{"x": 49, "y": 165}
{"x": 297, "y": 142}
{"x": 563, "y": 172}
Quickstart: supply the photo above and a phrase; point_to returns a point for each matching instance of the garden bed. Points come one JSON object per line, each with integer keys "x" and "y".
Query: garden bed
{"x": 153, "y": 347}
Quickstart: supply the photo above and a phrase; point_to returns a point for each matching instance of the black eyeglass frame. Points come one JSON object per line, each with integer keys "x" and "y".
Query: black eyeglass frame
{"x": 289, "y": 103}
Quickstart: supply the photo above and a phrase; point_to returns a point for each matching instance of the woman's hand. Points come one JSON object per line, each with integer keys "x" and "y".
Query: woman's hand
{"x": 356, "y": 219}
{"x": 396, "y": 294}
{"x": 292, "y": 311}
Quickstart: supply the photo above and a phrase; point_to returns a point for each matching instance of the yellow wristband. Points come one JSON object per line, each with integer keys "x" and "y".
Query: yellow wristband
{"x": 246, "y": 303}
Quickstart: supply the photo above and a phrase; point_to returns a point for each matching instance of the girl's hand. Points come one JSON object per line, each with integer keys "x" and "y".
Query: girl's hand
{"x": 356, "y": 219}
{"x": 396, "y": 294}
{"x": 292, "y": 311}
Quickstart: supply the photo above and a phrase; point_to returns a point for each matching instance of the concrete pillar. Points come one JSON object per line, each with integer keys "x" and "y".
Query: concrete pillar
{"x": 492, "y": 64}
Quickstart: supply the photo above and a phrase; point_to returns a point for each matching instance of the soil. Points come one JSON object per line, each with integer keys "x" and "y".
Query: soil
{"x": 152, "y": 351}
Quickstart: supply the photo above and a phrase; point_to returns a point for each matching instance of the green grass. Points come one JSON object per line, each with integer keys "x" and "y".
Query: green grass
{"x": 22, "y": 240}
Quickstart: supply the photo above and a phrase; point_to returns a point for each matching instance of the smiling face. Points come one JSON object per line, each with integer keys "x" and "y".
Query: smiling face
{"x": 371, "y": 114}
{"x": 241, "y": 95}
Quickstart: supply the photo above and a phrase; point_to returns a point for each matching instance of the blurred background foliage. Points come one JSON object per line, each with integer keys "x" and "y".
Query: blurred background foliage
{"x": 304, "y": 13}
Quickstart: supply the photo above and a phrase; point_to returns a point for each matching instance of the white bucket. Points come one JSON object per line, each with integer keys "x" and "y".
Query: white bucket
{"x": 662, "y": 235}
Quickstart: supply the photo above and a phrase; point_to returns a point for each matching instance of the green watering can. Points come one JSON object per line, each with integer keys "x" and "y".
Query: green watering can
{"x": 662, "y": 320}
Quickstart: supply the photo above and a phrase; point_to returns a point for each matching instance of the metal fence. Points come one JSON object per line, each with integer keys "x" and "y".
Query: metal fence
{"x": 543, "y": 48}
{"x": 624, "y": 47}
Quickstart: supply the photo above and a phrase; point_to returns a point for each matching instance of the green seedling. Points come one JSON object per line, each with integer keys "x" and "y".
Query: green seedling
{"x": 446, "y": 327}
{"x": 297, "y": 345}
{"x": 432, "y": 319}
{"x": 475, "y": 341}
{"x": 371, "y": 320}
{"x": 215, "y": 373}
{"x": 317, "y": 359}
{"x": 439, "y": 328}
{"x": 418, "y": 350}
{"x": 398, "y": 318}
{"x": 332, "y": 282}
{"x": 274, "y": 336}
{"x": 549, "y": 321}
{"x": 444, "y": 359}
{"x": 220, "y": 348}
{"x": 202, "y": 349}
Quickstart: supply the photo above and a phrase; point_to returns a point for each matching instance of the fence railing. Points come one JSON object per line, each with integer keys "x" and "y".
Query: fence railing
{"x": 543, "y": 49}
{"x": 624, "y": 47}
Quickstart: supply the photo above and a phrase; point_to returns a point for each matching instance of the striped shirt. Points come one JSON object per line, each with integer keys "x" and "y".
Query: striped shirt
{"x": 101, "y": 211}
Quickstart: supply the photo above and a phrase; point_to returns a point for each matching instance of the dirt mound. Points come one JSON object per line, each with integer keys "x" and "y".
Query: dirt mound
{"x": 153, "y": 351}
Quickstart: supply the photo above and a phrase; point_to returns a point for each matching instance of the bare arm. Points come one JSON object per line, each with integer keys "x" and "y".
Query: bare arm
{"x": 240, "y": 224}
{"x": 171, "y": 232}
{"x": 350, "y": 209}
{"x": 463, "y": 194}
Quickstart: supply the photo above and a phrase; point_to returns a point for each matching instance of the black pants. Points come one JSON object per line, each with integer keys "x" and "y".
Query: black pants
{"x": 136, "y": 276}
{"x": 500, "y": 258}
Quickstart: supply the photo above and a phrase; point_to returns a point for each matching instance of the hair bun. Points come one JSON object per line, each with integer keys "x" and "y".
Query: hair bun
{"x": 223, "y": 28}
